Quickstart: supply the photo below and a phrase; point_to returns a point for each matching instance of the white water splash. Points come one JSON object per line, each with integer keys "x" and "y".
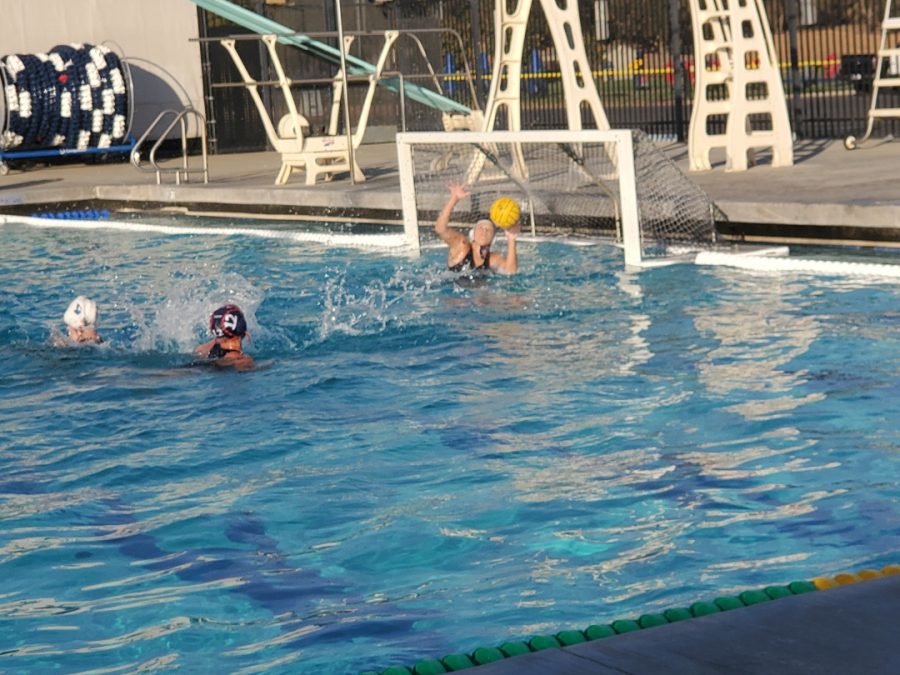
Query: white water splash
{"x": 372, "y": 308}
{"x": 179, "y": 321}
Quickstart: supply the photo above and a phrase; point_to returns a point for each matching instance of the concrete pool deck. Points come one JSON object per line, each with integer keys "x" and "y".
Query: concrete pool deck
{"x": 849, "y": 629}
{"x": 830, "y": 193}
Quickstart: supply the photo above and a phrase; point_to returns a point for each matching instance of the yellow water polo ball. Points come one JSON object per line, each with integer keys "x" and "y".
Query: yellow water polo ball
{"x": 505, "y": 212}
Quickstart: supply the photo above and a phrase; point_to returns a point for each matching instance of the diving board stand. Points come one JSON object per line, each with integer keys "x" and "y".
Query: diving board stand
{"x": 262, "y": 25}
{"x": 318, "y": 156}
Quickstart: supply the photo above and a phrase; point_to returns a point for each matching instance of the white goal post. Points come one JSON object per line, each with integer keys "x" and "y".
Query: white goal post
{"x": 604, "y": 183}
{"x": 482, "y": 150}
{"x": 615, "y": 184}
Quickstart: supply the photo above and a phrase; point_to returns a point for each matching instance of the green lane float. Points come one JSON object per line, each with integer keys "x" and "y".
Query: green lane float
{"x": 566, "y": 638}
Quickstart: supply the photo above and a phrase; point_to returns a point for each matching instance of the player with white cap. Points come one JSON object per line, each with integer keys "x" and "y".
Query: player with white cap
{"x": 81, "y": 320}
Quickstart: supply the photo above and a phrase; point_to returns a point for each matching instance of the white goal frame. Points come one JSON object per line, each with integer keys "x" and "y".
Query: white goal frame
{"x": 621, "y": 154}
{"x": 623, "y": 157}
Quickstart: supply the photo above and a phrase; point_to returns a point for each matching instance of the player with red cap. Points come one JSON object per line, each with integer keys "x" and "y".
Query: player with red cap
{"x": 229, "y": 326}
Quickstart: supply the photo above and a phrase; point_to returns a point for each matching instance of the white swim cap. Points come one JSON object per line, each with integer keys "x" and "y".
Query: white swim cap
{"x": 82, "y": 312}
{"x": 483, "y": 221}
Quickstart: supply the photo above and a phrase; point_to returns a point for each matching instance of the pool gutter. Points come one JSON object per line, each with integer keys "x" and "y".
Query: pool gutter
{"x": 831, "y": 196}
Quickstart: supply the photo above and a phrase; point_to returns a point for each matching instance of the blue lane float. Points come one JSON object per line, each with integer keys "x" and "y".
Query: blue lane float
{"x": 84, "y": 214}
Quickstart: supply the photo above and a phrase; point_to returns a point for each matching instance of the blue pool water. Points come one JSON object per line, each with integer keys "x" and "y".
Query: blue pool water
{"x": 418, "y": 468}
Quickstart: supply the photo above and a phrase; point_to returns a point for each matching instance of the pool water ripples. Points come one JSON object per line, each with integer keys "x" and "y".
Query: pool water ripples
{"x": 419, "y": 466}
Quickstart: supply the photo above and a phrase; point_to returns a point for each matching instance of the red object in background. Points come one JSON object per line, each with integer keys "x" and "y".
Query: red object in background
{"x": 831, "y": 66}
{"x": 63, "y": 78}
{"x": 688, "y": 68}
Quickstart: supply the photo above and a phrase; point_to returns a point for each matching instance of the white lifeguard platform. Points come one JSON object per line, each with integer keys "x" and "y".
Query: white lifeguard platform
{"x": 888, "y": 52}
{"x": 738, "y": 87}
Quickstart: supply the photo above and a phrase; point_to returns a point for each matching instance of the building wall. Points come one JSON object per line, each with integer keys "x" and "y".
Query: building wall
{"x": 153, "y": 36}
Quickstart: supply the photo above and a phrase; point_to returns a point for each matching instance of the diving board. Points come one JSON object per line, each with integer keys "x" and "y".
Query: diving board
{"x": 355, "y": 66}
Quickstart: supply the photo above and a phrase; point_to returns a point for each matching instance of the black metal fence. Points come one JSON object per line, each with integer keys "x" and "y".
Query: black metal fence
{"x": 641, "y": 55}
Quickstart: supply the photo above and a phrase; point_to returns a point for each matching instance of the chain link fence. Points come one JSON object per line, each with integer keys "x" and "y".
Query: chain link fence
{"x": 640, "y": 51}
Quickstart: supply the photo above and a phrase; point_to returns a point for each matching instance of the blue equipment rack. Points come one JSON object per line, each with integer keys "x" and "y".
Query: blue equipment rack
{"x": 61, "y": 152}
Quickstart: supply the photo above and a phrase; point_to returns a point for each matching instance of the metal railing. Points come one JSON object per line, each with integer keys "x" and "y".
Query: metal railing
{"x": 184, "y": 171}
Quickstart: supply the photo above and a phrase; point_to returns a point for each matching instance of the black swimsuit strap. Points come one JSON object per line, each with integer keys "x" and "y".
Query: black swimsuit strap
{"x": 468, "y": 260}
{"x": 217, "y": 352}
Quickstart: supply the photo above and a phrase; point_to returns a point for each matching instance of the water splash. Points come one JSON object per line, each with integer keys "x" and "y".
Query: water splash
{"x": 178, "y": 319}
{"x": 376, "y": 306}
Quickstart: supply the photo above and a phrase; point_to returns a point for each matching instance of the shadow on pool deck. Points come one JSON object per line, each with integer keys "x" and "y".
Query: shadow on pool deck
{"x": 828, "y": 188}
{"x": 847, "y": 630}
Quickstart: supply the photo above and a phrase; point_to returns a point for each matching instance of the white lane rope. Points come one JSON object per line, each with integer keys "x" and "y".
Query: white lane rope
{"x": 379, "y": 241}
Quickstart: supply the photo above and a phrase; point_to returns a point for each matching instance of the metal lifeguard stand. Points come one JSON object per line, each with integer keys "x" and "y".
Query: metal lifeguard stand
{"x": 738, "y": 80}
{"x": 505, "y": 95}
{"x": 890, "y": 34}
{"x": 579, "y": 89}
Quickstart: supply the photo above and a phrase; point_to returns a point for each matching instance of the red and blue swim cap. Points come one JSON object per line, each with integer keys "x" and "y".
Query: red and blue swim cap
{"x": 228, "y": 321}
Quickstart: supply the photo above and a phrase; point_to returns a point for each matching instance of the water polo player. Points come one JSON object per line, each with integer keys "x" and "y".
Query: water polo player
{"x": 81, "y": 319}
{"x": 227, "y": 348}
{"x": 466, "y": 255}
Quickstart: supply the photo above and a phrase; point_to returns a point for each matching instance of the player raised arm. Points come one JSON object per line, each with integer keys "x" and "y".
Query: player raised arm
{"x": 508, "y": 264}
{"x": 442, "y": 225}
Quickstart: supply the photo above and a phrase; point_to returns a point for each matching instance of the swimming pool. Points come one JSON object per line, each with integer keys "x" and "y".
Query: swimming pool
{"x": 419, "y": 467}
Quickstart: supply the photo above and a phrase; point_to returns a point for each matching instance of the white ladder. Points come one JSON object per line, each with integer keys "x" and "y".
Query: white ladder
{"x": 890, "y": 31}
{"x": 738, "y": 81}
